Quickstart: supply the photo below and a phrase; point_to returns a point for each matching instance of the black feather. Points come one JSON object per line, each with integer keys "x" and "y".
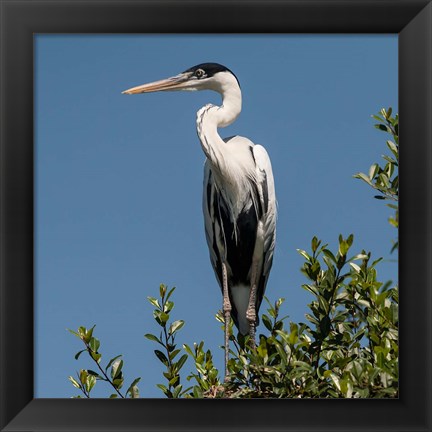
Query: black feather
{"x": 211, "y": 69}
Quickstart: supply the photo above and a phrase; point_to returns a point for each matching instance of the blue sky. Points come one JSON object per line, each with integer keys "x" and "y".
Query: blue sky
{"x": 119, "y": 181}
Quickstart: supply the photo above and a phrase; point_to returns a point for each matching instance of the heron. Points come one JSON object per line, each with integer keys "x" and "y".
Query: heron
{"x": 239, "y": 202}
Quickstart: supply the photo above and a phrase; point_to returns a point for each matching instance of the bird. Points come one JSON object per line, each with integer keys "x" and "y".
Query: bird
{"x": 239, "y": 201}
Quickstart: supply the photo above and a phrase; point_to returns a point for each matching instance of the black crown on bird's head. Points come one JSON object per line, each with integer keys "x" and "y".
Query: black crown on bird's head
{"x": 209, "y": 69}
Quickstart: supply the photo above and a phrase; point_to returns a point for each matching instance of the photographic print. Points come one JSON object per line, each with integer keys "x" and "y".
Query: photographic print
{"x": 216, "y": 216}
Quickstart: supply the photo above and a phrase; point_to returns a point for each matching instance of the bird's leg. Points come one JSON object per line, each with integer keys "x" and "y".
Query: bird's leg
{"x": 251, "y": 310}
{"x": 227, "y": 315}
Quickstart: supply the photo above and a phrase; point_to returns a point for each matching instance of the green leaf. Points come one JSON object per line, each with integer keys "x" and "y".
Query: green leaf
{"x": 262, "y": 351}
{"x": 325, "y": 326}
{"x": 133, "y": 390}
{"x": 82, "y": 332}
{"x": 74, "y": 333}
{"x": 393, "y": 222}
{"x": 358, "y": 257}
{"x": 167, "y": 375}
{"x": 376, "y": 262}
{"x": 162, "y": 290}
{"x": 384, "y": 179}
{"x": 390, "y": 160}
{"x": 356, "y": 268}
{"x": 343, "y": 247}
{"x": 197, "y": 392}
{"x": 311, "y": 288}
{"x": 293, "y": 336}
{"x": 383, "y": 128}
{"x": 373, "y": 170}
{"x": 175, "y": 326}
{"x": 88, "y": 334}
{"x": 304, "y": 254}
{"x": 112, "y": 361}
{"x": 335, "y": 380}
{"x": 154, "y": 302}
{"x": 279, "y": 302}
{"x": 74, "y": 382}
{"x": 152, "y": 337}
{"x": 393, "y": 148}
{"x": 389, "y": 113}
{"x": 177, "y": 391}
{"x": 168, "y": 306}
{"x": 188, "y": 350}
{"x": 267, "y": 322}
{"x": 301, "y": 365}
{"x": 162, "y": 357}
{"x": 90, "y": 383}
{"x": 83, "y": 374}
{"x": 95, "y": 374}
{"x": 118, "y": 383}
{"x": 79, "y": 353}
{"x": 324, "y": 305}
{"x": 94, "y": 344}
{"x": 174, "y": 353}
{"x": 364, "y": 177}
{"x": 389, "y": 170}
{"x": 170, "y": 292}
{"x": 164, "y": 317}
{"x": 330, "y": 255}
{"x": 377, "y": 118}
{"x": 163, "y": 388}
{"x": 96, "y": 356}
{"x": 315, "y": 244}
{"x": 116, "y": 369}
{"x": 312, "y": 319}
{"x": 181, "y": 361}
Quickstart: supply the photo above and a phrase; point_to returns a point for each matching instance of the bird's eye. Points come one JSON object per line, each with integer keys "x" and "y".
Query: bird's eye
{"x": 199, "y": 73}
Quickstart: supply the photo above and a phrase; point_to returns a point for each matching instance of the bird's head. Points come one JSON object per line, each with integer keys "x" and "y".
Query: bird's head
{"x": 205, "y": 76}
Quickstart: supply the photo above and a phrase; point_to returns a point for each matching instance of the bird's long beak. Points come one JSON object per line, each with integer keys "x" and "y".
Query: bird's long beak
{"x": 178, "y": 82}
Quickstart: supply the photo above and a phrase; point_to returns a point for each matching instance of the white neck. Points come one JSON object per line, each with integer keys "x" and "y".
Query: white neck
{"x": 210, "y": 117}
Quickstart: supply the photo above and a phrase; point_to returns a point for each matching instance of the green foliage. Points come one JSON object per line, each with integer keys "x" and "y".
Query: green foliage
{"x": 112, "y": 374}
{"x": 169, "y": 356}
{"x": 206, "y": 375}
{"x": 346, "y": 348}
{"x": 385, "y": 179}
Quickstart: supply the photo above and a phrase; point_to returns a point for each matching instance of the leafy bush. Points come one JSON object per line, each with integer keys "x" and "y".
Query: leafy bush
{"x": 385, "y": 179}
{"x": 87, "y": 378}
{"x": 346, "y": 348}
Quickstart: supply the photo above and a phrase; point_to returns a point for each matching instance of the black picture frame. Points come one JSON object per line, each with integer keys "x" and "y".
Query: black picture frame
{"x": 20, "y": 20}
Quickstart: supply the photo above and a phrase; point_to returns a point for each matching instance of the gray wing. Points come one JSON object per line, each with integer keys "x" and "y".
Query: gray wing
{"x": 267, "y": 197}
{"x": 211, "y": 221}
{"x": 216, "y": 221}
